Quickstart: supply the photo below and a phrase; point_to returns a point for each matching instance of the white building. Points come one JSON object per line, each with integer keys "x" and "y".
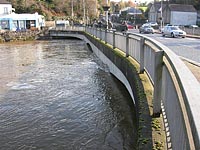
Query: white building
{"x": 175, "y": 14}
{"x": 16, "y": 22}
{"x": 5, "y": 7}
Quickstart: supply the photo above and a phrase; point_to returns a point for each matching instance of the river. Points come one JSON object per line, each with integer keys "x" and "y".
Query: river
{"x": 57, "y": 95}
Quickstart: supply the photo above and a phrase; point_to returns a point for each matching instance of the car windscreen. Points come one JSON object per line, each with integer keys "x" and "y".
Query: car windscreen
{"x": 174, "y": 28}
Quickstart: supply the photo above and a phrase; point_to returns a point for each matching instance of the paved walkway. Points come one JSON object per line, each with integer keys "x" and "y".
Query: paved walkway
{"x": 195, "y": 69}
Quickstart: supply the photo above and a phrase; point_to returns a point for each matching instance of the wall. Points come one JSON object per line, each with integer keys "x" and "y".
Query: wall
{"x": 183, "y": 18}
{"x": 2, "y": 6}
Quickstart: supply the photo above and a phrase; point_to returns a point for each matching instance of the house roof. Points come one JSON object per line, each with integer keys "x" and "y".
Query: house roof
{"x": 157, "y": 5}
{"x": 131, "y": 11}
{"x": 4, "y": 2}
{"x": 182, "y": 8}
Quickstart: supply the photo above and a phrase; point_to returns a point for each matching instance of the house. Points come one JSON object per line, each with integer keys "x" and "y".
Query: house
{"x": 130, "y": 12}
{"x": 154, "y": 14}
{"x": 5, "y": 7}
{"x": 176, "y": 14}
{"x": 15, "y": 22}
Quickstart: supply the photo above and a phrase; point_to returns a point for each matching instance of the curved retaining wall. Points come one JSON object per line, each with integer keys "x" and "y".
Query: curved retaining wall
{"x": 118, "y": 65}
{"x": 173, "y": 83}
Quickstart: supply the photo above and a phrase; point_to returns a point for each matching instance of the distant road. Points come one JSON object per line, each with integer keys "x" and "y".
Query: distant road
{"x": 188, "y": 48}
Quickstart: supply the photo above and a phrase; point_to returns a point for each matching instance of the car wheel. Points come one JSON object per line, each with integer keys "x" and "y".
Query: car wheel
{"x": 172, "y": 35}
{"x": 163, "y": 34}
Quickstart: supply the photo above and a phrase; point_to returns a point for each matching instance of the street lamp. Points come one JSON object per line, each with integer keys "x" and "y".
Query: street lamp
{"x": 135, "y": 13}
{"x": 161, "y": 15}
{"x": 105, "y": 8}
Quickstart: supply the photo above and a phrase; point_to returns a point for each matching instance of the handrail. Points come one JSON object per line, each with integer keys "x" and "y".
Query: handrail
{"x": 174, "y": 85}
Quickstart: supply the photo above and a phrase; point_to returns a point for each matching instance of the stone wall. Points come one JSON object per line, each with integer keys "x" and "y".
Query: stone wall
{"x": 8, "y": 36}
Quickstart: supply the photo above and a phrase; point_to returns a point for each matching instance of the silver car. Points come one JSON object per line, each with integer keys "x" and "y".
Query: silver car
{"x": 146, "y": 29}
{"x": 173, "y": 31}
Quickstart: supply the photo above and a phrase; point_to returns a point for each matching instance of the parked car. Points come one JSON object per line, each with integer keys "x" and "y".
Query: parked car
{"x": 129, "y": 25}
{"x": 173, "y": 31}
{"x": 152, "y": 24}
{"x": 146, "y": 29}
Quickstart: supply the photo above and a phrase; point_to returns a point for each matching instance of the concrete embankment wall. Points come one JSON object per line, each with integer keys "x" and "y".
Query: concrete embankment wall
{"x": 126, "y": 69}
{"x": 118, "y": 64}
{"x": 127, "y": 72}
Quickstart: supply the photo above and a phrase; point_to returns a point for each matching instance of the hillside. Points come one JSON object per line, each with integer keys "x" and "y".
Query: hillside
{"x": 51, "y": 9}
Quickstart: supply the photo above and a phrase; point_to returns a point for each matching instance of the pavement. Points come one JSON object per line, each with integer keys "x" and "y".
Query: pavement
{"x": 195, "y": 69}
{"x": 193, "y": 66}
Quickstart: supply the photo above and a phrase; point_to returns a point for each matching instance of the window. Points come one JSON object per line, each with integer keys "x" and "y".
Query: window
{"x": 5, "y": 10}
{"x": 4, "y": 24}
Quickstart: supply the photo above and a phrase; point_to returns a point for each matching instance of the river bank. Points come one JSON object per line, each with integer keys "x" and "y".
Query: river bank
{"x": 9, "y": 36}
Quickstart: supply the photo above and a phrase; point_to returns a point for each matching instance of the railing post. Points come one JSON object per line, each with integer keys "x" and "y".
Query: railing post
{"x": 106, "y": 36}
{"x": 142, "y": 54}
{"x": 127, "y": 45}
{"x": 113, "y": 39}
{"x": 94, "y": 31}
{"x": 100, "y": 36}
{"x": 158, "y": 64}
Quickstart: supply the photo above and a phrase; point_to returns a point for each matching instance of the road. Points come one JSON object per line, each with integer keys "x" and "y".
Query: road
{"x": 188, "y": 48}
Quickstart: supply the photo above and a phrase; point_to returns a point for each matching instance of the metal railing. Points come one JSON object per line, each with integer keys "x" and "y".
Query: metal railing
{"x": 174, "y": 85}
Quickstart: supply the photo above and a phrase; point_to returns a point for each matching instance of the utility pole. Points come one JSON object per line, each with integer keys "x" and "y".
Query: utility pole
{"x": 107, "y": 15}
{"x": 161, "y": 15}
{"x": 135, "y": 14}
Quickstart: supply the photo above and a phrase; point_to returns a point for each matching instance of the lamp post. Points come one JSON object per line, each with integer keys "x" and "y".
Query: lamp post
{"x": 135, "y": 13}
{"x": 107, "y": 15}
{"x": 105, "y": 8}
{"x": 161, "y": 15}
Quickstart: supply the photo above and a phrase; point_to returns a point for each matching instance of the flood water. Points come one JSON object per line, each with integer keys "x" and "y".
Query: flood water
{"x": 57, "y": 95}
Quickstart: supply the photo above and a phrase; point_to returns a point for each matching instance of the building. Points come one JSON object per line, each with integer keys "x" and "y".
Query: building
{"x": 185, "y": 2}
{"x": 175, "y": 14}
{"x": 178, "y": 14}
{"x": 5, "y": 7}
{"x": 154, "y": 14}
{"x": 19, "y": 22}
{"x": 16, "y": 22}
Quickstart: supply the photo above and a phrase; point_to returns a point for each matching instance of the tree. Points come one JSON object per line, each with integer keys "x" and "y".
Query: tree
{"x": 197, "y": 4}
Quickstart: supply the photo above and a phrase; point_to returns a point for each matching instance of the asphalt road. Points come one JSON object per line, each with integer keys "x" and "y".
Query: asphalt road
{"x": 188, "y": 48}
